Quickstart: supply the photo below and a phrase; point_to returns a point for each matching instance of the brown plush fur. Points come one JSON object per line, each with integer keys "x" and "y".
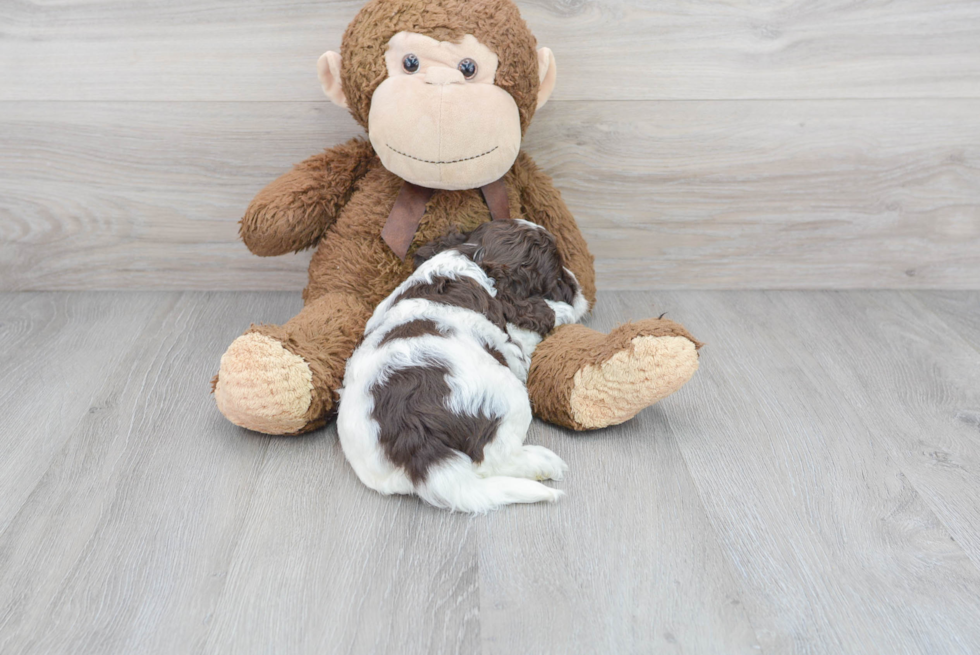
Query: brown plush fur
{"x": 325, "y": 334}
{"x": 497, "y": 24}
{"x": 292, "y": 213}
{"x": 340, "y": 199}
{"x": 353, "y": 269}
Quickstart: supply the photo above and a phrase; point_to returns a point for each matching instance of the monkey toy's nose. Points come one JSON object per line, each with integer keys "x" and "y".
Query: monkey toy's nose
{"x": 443, "y": 75}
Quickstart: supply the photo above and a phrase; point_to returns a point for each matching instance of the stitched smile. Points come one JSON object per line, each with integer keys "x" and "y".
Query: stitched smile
{"x": 428, "y": 161}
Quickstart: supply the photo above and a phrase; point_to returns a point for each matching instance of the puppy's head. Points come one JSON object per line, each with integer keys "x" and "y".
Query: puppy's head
{"x": 521, "y": 257}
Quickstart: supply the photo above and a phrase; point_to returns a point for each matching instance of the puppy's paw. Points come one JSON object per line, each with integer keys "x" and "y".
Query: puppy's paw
{"x": 556, "y": 494}
{"x": 543, "y": 464}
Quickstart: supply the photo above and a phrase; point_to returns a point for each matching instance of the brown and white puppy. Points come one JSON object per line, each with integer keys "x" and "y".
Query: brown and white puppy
{"x": 434, "y": 401}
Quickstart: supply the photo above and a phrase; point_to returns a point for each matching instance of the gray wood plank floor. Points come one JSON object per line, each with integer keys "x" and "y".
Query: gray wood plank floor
{"x": 815, "y": 489}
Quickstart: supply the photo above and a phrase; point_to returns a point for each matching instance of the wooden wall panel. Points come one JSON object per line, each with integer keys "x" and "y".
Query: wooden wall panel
{"x": 614, "y": 49}
{"x": 787, "y": 194}
{"x": 771, "y": 143}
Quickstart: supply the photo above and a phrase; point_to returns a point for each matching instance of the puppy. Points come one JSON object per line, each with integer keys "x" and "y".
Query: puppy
{"x": 434, "y": 401}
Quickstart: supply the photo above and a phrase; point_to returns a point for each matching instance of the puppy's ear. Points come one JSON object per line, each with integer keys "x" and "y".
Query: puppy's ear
{"x": 433, "y": 248}
{"x": 499, "y": 272}
{"x": 565, "y": 289}
{"x": 532, "y": 314}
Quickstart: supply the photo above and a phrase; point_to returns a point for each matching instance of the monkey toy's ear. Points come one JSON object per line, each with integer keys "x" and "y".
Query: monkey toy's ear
{"x": 547, "y": 74}
{"x": 328, "y": 69}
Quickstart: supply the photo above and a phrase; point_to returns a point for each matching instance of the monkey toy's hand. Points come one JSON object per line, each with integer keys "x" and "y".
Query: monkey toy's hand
{"x": 294, "y": 211}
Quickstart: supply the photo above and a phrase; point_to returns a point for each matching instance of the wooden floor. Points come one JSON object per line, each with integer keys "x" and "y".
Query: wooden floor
{"x": 815, "y": 489}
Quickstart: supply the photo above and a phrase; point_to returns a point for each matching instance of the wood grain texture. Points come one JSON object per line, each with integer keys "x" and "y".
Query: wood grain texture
{"x": 960, "y": 311}
{"x": 937, "y": 430}
{"x": 812, "y": 490}
{"x": 126, "y": 539}
{"x": 57, "y": 347}
{"x": 576, "y": 578}
{"x": 615, "y": 49}
{"x": 328, "y": 566}
{"x": 773, "y": 194}
{"x": 785, "y": 434}
{"x": 741, "y": 144}
{"x": 811, "y": 194}
{"x": 147, "y": 195}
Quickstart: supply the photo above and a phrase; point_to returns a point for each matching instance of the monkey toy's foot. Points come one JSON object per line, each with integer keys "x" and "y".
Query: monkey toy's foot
{"x": 282, "y": 379}
{"x": 264, "y": 387}
{"x": 586, "y": 380}
{"x": 649, "y": 369}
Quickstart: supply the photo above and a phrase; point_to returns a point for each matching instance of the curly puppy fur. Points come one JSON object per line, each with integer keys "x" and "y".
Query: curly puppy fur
{"x": 434, "y": 401}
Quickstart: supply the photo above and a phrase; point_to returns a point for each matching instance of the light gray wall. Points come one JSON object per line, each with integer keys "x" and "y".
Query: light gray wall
{"x": 747, "y": 143}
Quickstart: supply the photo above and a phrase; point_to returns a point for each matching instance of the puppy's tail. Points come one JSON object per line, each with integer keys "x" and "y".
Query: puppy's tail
{"x": 455, "y": 486}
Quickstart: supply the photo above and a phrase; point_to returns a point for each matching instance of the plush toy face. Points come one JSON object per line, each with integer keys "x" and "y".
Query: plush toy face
{"x": 440, "y": 118}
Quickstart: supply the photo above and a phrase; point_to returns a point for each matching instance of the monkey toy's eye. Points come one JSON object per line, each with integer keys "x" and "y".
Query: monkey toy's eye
{"x": 468, "y": 68}
{"x": 410, "y": 63}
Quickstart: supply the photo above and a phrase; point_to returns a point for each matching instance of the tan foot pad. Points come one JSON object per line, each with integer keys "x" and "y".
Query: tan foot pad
{"x": 616, "y": 390}
{"x": 264, "y": 387}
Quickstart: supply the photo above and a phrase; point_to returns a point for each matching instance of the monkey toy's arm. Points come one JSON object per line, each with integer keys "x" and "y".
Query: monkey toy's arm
{"x": 542, "y": 204}
{"x": 293, "y": 212}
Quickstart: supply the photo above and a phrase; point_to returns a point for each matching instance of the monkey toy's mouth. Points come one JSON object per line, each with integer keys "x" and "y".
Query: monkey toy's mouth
{"x": 430, "y": 161}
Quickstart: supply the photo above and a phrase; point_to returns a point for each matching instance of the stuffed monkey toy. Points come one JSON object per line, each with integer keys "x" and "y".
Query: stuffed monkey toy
{"x": 446, "y": 90}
